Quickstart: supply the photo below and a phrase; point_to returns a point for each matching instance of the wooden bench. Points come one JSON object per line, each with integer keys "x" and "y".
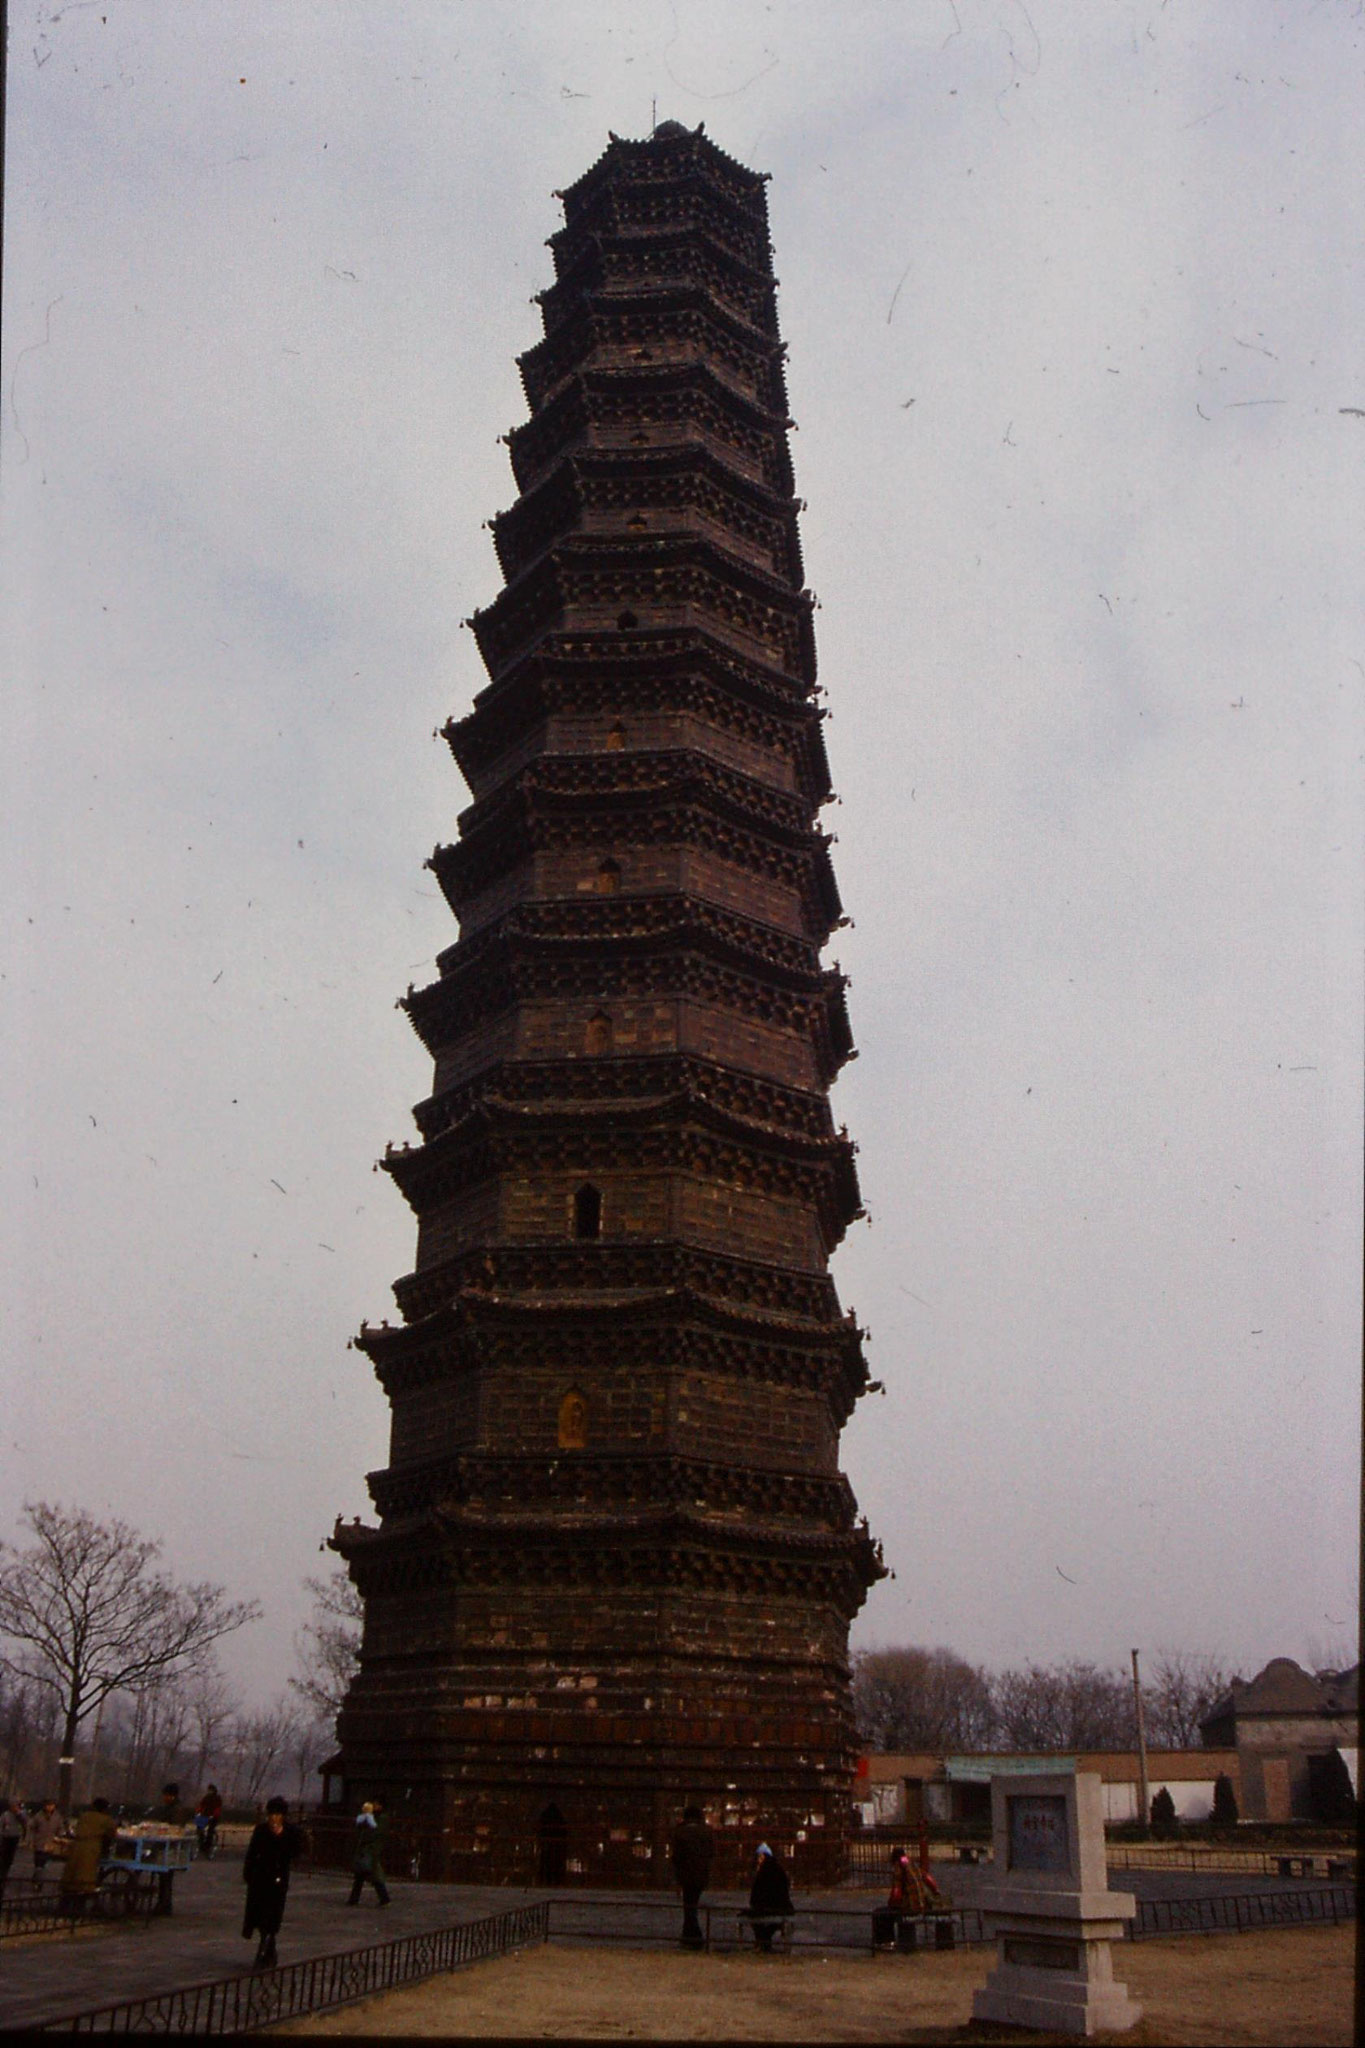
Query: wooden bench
{"x": 906, "y": 1931}
{"x": 781, "y": 1925}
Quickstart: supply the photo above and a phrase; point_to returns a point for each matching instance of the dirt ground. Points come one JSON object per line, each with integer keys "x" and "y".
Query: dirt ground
{"x": 1228, "y": 1991}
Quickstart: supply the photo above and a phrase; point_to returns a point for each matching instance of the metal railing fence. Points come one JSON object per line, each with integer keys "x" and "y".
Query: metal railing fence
{"x": 1332, "y": 1863}
{"x": 1244, "y": 1912}
{"x": 237, "y": 2005}
{"x": 37, "y": 1907}
{"x": 649, "y": 1922}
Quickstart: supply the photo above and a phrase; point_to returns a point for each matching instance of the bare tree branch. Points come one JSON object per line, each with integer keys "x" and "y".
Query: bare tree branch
{"x": 92, "y": 1617}
{"x": 328, "y": 1647}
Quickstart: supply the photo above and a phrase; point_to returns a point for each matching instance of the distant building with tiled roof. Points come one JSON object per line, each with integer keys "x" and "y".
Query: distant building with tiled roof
{"x": 1285, "y": 1723}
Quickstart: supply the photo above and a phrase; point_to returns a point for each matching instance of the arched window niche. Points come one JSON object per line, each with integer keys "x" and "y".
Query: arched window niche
{"x": 573, "y": 1421}
{"x": 599, "y": 1034}
{"x": 608, "y": 878}
{"x": 587, "y": 1211}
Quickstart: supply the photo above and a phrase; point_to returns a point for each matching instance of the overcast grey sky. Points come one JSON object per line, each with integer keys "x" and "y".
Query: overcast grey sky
{"x": 1074, "y": 303}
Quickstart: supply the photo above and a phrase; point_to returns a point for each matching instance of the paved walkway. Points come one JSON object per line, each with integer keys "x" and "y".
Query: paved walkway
{"x": 49, "y": 1976}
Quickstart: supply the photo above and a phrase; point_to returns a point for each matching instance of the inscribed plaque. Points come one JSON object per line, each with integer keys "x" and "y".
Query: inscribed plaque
{"x": 1037, "y": 1952}
{"x": 1038, "y": 1832}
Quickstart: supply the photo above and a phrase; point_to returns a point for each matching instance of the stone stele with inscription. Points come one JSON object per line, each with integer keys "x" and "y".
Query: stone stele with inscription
{"x": 1051, "y": 1911}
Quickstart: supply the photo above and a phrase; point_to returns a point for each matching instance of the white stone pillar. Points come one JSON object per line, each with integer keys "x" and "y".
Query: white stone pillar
{"x": 1051, "y": 1911}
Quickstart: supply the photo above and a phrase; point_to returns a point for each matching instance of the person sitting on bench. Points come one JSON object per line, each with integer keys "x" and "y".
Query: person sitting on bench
{"x": 770, "y": 1898}
{"x": 913, "y": 1892}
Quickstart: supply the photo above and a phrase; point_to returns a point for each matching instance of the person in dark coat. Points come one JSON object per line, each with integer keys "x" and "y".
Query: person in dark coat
{"x": 12, "y": 1832}
{"x": 770, "y": 1898}
{"x": 367, "y": 1857}
{"x": 168, "y": 1809}
{"x": 274, "y": 1845}
{"x": 90, "y": 1840}
{"x": 692, "y": 1850}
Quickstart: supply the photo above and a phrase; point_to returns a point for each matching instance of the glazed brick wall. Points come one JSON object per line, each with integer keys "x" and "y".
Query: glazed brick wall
{"x": 534, "y": 742}
{"x": 738, "y": 1041}
{"x": 494, "y": 1040}
{"x": 645, "y": 871}
{"x": 520, "y": 1410}
{"x": 514, "y": 885}
{"x": 773, "y": 1228}
{"x": 705, "y": 874}
{"x": 574, "y": 870}
{"x": 650, "y": 731}
{"x": 559, "y": 1030}
{"x": 727, "y": 1419}
{"x": 435, "y": 1418}
{"x": 470, "y": 1219}
{"x": 407, "y": 1622}
{"x": 782, "y": 1631}
{"x": 676, "y": 519}
{"x": 539, "y": 1207}
{"x": 521, "y": 1636}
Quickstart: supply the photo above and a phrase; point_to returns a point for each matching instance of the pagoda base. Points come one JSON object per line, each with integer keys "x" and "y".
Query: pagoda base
{"x": 527, "y": 1799}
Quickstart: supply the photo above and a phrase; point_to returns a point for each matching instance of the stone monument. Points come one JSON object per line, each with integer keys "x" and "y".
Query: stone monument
{"x": 1053, "y": 1915}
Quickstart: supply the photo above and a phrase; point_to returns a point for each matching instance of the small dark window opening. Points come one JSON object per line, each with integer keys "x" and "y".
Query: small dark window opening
{"x": 552, "y": 1841}
{"x": 625, "y": 620}
{"x": 599, "y": 1033}
{"x": 587, "y": 1212}
{"x": 608, "y": 878}
{"x": 616, "y": 739}
{"x": 637, "y": 520}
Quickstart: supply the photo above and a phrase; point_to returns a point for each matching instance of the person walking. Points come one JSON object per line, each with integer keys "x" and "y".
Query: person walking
{"x": 693, "y": 1847}
{"x": 90, "y": 1839}
{"x": 770, "y": 1897}
{"x": 367, "y": 1860}
{"x": 45, "y": 1830}
{"x": 207, "y": 1815}
{"x": 275, "y": 1844}
{"x": 12, "y": 1831}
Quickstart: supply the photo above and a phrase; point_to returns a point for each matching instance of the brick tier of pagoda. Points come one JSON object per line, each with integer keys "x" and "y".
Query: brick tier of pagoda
{"x": 616, "y": 1561}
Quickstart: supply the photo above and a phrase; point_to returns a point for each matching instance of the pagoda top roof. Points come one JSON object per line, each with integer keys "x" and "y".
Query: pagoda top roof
{"x": 670, "y": 144}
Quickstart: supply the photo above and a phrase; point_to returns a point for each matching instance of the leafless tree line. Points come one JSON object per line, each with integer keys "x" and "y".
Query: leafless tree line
{"x": 190, "y": 1728}
{"x": 110, "y": 1684}
{"x": 935, "y": 1700}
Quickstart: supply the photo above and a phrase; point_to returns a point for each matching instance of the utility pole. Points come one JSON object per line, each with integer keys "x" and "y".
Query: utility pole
{"x": 1144, "y": 1809}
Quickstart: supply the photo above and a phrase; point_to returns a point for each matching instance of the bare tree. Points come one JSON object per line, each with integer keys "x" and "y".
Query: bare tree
{"x": 260, "y": 1744}
{"x": 1064, "y": 1707}
{"x": 328, "y": 1646}
{"x": 310, "y": 1745}
{"x": 213, "y": 1705}
{"x": 91, "y": 1616}
{"x": 1183, "y": 1690}
{"x": 154, "y": 1737}
{"x": 921, "y": 1699}
{"x": 26, "y": 1732}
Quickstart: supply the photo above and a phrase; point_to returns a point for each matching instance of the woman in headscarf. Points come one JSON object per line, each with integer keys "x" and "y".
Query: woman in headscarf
{"x": 770, "y": 1897}
{"x": 274, "y": 1846}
